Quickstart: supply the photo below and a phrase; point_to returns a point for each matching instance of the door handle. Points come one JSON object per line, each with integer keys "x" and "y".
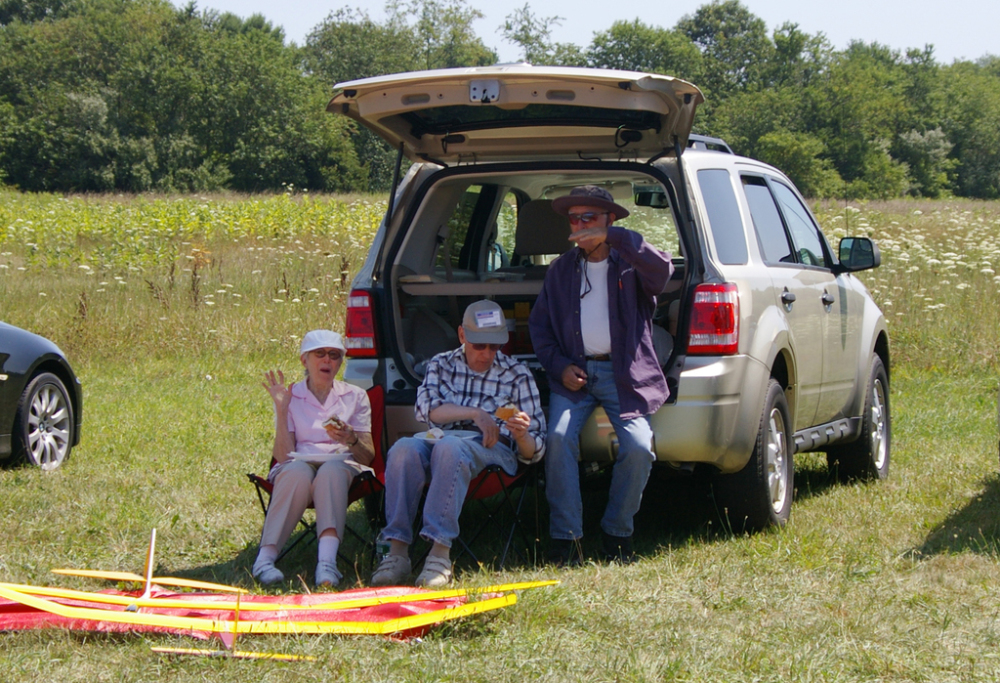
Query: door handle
{"x": 827, "y": 299}
{"x": 787, "y": 298}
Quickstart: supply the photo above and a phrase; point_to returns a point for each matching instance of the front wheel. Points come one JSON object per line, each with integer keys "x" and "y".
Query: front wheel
{"x": 867, "y": 458}
{"x": 760, "y": 495}
{"x": 43, "y": 424}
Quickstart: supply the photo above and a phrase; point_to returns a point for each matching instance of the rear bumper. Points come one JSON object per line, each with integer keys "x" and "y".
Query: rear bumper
{"x": 714, "y": 420}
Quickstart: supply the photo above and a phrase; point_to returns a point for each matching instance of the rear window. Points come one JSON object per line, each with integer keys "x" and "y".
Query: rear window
{"x": 724, "y": 216}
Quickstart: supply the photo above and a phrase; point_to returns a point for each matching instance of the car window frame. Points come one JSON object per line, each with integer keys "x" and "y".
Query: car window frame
{"x": 791, "y": 241}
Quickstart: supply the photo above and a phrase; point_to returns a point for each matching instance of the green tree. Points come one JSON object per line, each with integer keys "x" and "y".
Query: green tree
{"x": 445, "y": 34}
{"x": 926, "y": 156}
{"x": 800, "y": 157}
{"x": 28, "y": 11}
{"x": 138, "y": 95}
{"x": 798, "y": 58}
{"x": 971, "y": 120}
{"x": 734, "y": 44}
{"x": 349, "y": 45}
{"x": 636, "y": 46}
{"x": 856, "y": 107}
{"x": 534, "y": 36}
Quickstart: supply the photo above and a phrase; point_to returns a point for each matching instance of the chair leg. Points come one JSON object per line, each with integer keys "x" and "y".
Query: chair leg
{"x": 516, "y": 526}
{"x": 309, "y": 532}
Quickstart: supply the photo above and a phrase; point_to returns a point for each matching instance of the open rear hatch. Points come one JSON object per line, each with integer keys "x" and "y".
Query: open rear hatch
{"x": 513, "y": 112}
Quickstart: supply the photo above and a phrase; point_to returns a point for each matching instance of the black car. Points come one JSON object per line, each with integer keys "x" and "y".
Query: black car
{"x": 41, "y": 401}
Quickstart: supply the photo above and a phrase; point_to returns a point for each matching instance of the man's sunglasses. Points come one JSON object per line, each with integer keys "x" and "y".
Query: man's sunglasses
{"x": 334, "y": 354}
{"x": 483, "y": 347}
{"x": 586, "y": 218}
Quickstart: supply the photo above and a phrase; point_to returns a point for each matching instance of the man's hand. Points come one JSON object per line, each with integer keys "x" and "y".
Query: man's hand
{"x": 589, "y": 239}
{"x": 573, "y": 378}
{"x": 488, "y": 426}
{"x": 518, "y": 424}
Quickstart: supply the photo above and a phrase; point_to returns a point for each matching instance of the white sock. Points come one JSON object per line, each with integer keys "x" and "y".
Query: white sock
{"x": 328, "y": 546}
{"x": 266, "y": 555}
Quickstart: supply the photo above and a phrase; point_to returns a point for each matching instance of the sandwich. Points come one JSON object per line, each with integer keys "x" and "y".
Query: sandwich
{"x": 336, "y": 423}
{"x": 506, "y": 412}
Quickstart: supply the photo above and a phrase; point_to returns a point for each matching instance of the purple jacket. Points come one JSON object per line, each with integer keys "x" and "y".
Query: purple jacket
{"x": 638, "y": 271}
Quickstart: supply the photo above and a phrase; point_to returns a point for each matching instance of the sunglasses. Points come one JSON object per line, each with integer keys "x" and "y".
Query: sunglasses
{"x": 334, "y": 354}
{"x": 586, "y": 218}
{"x": 484, "y": 347}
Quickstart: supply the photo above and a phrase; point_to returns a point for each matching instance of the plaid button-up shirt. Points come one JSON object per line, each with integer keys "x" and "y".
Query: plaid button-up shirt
{"x": 449, "y": 379}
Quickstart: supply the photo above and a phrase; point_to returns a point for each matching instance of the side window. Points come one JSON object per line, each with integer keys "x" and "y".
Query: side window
{"x": 804, "y": 232}
{"x": 462, "y": 236}
{"x": 503, "y": 243}
{"x": 724, "y": 216}
{"x": 449, "y": 253}
{"x": 767, "y": 221}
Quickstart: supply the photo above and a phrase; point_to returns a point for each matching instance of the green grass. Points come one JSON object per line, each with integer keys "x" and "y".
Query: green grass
{"x": 894, "y": 581}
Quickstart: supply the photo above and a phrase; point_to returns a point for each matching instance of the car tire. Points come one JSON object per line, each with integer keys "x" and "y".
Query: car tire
{"x": 43, "y": 423}
{"x": 760, "y": 495}
{"x": 867, "y": 459}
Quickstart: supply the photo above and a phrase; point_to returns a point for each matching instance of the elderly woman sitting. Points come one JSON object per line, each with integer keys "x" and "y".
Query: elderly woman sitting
{"x": 322, "y": 441}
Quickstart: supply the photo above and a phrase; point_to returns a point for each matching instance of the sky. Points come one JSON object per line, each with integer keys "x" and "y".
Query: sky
{"x": 960, "y": 29}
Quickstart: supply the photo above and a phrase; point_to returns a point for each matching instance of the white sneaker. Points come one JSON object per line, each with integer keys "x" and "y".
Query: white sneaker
{"x": 266, "y": 573}
{"x": 327, "y": 574}
{"x": 392, "y": 570}
{"x": 436, "y": 573}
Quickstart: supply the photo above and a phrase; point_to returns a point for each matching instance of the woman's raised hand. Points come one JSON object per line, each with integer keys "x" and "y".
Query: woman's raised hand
{"x": 275, "y": 385}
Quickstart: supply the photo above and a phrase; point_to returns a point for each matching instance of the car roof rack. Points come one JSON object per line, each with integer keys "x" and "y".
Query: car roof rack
{"x": 709, "y": 143}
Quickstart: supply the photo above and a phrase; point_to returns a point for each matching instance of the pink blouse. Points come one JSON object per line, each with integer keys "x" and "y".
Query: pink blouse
{"x": 306, "y": 416}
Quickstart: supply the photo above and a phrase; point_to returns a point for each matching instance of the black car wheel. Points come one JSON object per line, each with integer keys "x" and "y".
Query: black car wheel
{"x": 760, "y": 495}
{"x": 43, "y": 425}
{"x": 867, "y": 458}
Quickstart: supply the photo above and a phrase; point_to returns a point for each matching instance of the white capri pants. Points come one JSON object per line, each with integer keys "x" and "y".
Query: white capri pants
{"x": 296, "y": 484}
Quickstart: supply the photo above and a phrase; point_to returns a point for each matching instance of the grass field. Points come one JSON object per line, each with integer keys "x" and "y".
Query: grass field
{"x": 171, "y": 309}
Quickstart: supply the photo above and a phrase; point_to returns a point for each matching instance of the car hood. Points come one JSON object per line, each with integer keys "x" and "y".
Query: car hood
{"x": 511, "y": 112}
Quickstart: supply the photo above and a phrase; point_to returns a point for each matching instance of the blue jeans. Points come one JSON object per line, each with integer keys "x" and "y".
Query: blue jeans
{"x": 562, "y": 455}
{"x": 445, "y": 468}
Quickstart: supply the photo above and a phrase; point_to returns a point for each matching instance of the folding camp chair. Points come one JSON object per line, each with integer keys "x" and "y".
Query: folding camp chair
{"x": 500, "y": 510}
{"x": 363, "y": 487}
{"x": 492, "y": 491}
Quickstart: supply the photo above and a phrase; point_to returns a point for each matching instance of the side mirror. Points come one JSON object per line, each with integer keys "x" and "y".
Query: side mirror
{"x": 858, "y": 253}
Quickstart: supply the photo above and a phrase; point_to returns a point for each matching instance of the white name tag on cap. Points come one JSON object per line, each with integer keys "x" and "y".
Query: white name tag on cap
{"x": 489, "y": 319}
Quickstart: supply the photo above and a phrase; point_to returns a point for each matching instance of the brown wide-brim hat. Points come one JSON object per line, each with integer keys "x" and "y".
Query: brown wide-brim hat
{"x": 589, "y": 195}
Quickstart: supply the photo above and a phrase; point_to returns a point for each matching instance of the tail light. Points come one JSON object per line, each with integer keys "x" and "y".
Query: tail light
{"x": 715, "y": 320}
{"x": 360, "y": 330}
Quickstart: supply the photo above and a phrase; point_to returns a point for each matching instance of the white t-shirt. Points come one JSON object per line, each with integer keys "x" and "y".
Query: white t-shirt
{"x": 594, "y": 316}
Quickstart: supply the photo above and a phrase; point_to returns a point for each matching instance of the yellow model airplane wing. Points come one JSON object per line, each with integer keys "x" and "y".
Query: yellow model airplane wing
{"x": 161, "y": 580}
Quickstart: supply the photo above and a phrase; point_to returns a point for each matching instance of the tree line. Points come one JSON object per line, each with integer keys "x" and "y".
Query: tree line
{"x": 140, "y": 95}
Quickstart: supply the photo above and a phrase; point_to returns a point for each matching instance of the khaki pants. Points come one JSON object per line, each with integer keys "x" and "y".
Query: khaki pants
{"x": 298, "y": 483}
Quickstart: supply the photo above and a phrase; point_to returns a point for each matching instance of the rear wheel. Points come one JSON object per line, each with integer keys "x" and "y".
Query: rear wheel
{"x": 867, "y": 458}
{"x": 760, "y": 495}
{"x": 43, "y": 425}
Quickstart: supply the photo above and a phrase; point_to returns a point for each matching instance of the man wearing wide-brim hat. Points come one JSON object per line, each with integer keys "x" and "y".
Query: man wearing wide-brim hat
{"x": 591, "y": 328}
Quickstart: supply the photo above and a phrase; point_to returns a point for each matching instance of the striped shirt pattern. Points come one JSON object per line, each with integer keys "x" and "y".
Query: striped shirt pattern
{"x": 449, "y": 379}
